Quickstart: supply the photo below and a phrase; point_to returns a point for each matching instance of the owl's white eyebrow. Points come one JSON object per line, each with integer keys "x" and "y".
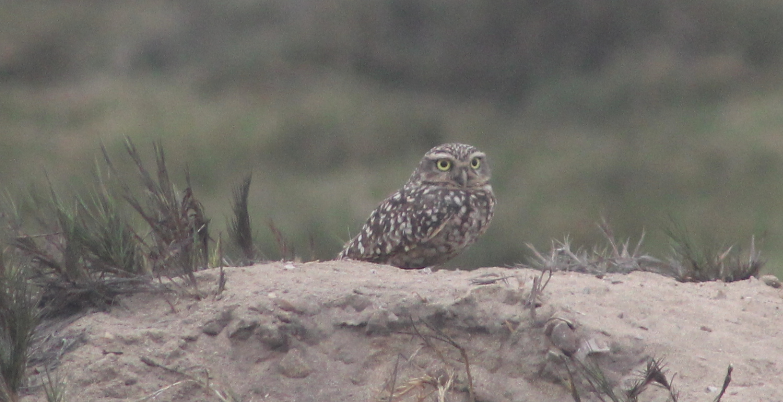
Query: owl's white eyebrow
{"x": 440, "y": 155}
{"x": 478, "y": 155}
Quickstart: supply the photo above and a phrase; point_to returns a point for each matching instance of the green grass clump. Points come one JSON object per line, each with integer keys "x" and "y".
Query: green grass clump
{"x": 87, "y": 250}
{"x": 19, "y": 316}
{"x": 61, "y": 254}
{"x": 694, "y": 263}
{"x": 82, "y": 252}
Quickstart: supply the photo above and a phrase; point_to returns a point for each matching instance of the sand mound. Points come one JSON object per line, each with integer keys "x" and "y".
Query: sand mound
{"x": 341, "y": 331}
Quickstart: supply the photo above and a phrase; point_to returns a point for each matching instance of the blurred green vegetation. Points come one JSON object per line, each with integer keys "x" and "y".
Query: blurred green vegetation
{"x": 641, "y": 111}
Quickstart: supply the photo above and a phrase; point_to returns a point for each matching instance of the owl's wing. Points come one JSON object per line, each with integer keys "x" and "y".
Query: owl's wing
{"x": 401, "y": 222}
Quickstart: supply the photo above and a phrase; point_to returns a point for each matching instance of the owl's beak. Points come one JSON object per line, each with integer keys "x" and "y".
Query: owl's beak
{"x": 462, "y": 177}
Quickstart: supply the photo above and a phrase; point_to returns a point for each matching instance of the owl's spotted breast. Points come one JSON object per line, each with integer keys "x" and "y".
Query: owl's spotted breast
{"x": 445, "y": 206}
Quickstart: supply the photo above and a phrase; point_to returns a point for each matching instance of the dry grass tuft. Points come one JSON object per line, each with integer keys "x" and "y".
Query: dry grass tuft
{"x": 688, "y": 263}
{"x": 613, "y": 257}
{"x": 179, "y": 235}
{"x": 599, "y": 386}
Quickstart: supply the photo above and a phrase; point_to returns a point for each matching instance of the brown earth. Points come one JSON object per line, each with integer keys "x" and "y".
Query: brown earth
{"x": 343, "y": 331}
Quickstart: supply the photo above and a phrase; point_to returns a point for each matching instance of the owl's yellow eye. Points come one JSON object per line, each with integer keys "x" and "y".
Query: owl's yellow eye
{"x": 443, "y": 164}
{"x": 475, "y": 163}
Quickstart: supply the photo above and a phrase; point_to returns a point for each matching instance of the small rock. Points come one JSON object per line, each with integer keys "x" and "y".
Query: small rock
{"x": 114, "y": 392}
{"x": 591, "y": 346}
{"x": 212, "y": 328}
{"x": 190, "y": 336}
{"x": 513, "y": 296}
{"x": 771, "y": 280}
{"x": 293, "y": 365}
{"x": 355, "y": 300}
{"x": 156, "y": 335}
{"x": 131, "y": 338}
{"x": 345, "y": 357}
{"x": 299, "y": 306}
{"x": 173, "y": 349}
{"x": 271, "y": 336}
{"x": 488, "y": 291}
{"x": 287, "y": 305}
{"x": 563, "y": 336}
{"x": 349, "y": 318}
{"x": 358, "y": 378}
{"x": 284, "y": 316}
{"x": 361, "y": 290}
{"x": 215, "y": 325}
{"x": 242, "y": 330}
{"x": 378, "y": 323}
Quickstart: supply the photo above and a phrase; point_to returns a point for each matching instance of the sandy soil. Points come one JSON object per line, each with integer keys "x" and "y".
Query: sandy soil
{"x": 342, "y": 331}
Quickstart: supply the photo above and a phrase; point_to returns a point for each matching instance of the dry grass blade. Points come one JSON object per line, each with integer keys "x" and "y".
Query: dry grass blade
{"x": 66, "y": 243}
{"x": 415, "y": 383}
{"x": 596, "y": 378}
{"x": 441, "y": 336}
{"x": 160, "y": 391}
{"x": 653, "y": 373}
{"x": 55, "y": 387}
{"x": 223, "y": 396}
{"x": 239, "y": 229}
{"x": 392, "y": 384}
{"x": 222, "y": 278}
{"x": 571, "y": 383}
{"x": 489, "y": 279}
{"x": 726, "y": 382}
{"x": 444, "y": 386}
{"x": 285, "y": 248}
{"x": 198, "y": 225}
{"x": 620, "y": 251}
{"x": 536, "y": 290}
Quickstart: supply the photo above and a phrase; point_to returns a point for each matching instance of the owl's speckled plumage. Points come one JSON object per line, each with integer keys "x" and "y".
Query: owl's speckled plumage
{"x": 443, "y": 208}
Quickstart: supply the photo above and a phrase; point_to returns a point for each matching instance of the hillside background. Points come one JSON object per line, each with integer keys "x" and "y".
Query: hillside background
{"x": 642, "y": 111}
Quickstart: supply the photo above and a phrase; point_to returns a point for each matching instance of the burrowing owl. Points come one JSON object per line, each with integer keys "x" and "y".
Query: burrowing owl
{"x": 443, "y": 208}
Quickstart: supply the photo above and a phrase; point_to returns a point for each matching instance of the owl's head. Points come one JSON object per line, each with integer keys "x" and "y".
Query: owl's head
{"x": 453, "y": 164}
